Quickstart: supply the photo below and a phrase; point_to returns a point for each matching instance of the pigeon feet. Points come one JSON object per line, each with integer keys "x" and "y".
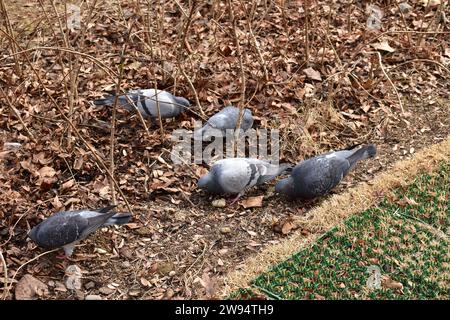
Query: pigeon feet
{"x": 234, "y": 200}
{"x": 61, "y": 256}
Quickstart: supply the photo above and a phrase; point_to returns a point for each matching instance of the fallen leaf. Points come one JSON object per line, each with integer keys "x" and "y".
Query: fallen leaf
{"x": 407, "y": 201}
{"x": 411, "y": 201}
{"x": 46, "y": 172}
{"x": 56, "y": 203}
{"x": 68, "y": 184}
{"x": 284, "y": 225}
{"x": 30, "y": 288}
{"x": 447, "y": 52}
{"x": 391, "y": 284}
{"x": 134, "y": 65}
{"x": 252, "y": 202}
{"x": 209, "y": 284}
{"x": 78, "y": 163}
{"x": 430, "y": 3}
{"x": 312, "y": 74}
{"x": 164, "y": 268}
{"x": 106, "y": 290}
{"x": 145, "y": 282}
{"x": 287, "y": 227}
{"x": 383, "y": 46}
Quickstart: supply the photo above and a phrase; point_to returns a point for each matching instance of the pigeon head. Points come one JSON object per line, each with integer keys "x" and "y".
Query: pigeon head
{"x": 209, "y": 184}
{"x": 33, "y": 233}
{"x": 204, "y": 181}
{"x": 182, "y": 103}
{"x": 285, "y": 187}
{"x": 371, "y": 150}
{"x": 247, "y": 120}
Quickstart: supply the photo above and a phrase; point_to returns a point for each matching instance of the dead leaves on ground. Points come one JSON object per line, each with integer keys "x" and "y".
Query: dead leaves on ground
{"x": 30, "y": 288}
{"x": 285, "y": 225}
{"x": 252, "y": 202}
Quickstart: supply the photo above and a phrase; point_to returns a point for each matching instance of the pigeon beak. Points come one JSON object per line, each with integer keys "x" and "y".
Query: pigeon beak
{"x": 203, "y": 182}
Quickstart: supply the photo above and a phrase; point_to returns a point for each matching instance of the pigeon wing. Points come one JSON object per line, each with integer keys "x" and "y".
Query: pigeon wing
{"x": 61, "y": 229}
{"x": 222, "y": 121}
{"x": 267, "y": 172}
{"x": 94, "y": 220}
{"x": 234, "y": 175}
{"x": 319, "y": 175}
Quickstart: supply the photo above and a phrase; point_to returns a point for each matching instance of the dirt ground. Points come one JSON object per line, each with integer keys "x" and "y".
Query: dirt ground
{"x": 325, "y": 91}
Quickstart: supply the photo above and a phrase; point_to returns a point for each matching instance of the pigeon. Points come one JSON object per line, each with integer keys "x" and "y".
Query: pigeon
{"x": 67, "y": 228}
{"x": 225, "y": 119}
{"x": 236, "y": 175}
{"x": 146, "y": 102}
{"x": 316, "y": 176}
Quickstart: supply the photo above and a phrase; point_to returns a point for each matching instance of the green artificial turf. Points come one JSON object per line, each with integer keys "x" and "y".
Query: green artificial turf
{"x": 405, "y": 237}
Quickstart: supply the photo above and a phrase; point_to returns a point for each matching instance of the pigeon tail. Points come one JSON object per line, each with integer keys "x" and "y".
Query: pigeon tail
{"x": 104, "y": 101}
{"x": 118, "y": 219}
{"x": 121, "y": 101}
{"x": 107, "y": 209}
{"x": 356, "y": 145}
{"x": 364, "y": 152}
{"x": 182, "y": 102}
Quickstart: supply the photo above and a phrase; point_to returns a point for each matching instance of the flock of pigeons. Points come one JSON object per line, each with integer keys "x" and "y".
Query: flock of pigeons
{"x": 309, "y": 179}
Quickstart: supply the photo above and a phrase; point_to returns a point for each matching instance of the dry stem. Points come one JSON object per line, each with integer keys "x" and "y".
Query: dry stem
{"x": 390, "y": 81}
{"x": 241, "y": 67}
{"x": 5, "y": 283}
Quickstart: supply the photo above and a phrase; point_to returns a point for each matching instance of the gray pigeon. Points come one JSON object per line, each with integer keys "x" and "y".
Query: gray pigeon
{"x": 146, "y": 102}
{"x": 67, "y": 228}
{"x": 225, "y": 119}
{"x": 236, "y": 175}
{"x": 316, "y": 176}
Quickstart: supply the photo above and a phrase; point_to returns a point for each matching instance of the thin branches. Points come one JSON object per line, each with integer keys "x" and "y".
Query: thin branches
{"x": 255, "y": 42}
{"x": 12, "y": 43}
{"x": 29, "y": 261}
{"x": 191, "y": 85}
{"x": 113, "y": 123}
{"x": 155, "y": 84}
{"x": 390, "y": 81}
{"x": 184, "y": 43}
{"x": 77, "y": 132}
{"x": 307, "y": 31}
{"x": 71, "y": 88}
{"x": 5, "y": 281}
{"x": 17, "y": 114}
{"x": 188, "y": 25}
{"x": 85, "y": 55}
{"x": 113, "y": 120}
{"x": 241, "y": 68}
